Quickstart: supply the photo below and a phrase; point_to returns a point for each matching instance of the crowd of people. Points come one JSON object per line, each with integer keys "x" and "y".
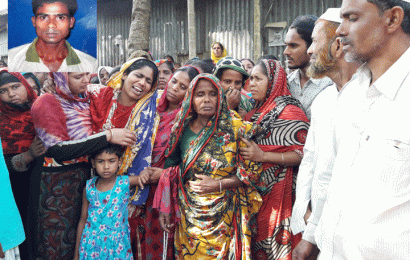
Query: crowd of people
{"x": 219, "y": 158}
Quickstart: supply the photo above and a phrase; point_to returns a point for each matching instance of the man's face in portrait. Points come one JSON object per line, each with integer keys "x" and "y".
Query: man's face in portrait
{"x": 53, "y": 22}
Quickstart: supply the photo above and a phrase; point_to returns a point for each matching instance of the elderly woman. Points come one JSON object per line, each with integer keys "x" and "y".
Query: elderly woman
{"x": 213, "y": 199}
{"x": 63, "y": 123}
{"x": 280, "y": 151}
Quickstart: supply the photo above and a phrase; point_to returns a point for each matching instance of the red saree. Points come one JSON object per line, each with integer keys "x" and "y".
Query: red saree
{"x": 285, "y": 125}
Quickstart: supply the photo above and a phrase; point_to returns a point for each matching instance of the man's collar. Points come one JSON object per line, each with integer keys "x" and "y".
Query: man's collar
{"x": 71, "y": 59}
{"x": 389, "y": 83}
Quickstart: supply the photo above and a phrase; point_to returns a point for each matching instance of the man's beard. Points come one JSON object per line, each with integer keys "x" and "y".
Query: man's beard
{"x": 323, "y": 64}
{"x": 351, "y": 56}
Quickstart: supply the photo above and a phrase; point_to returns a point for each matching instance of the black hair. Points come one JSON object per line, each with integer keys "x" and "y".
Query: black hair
{"x": 384, "y": 5}
{"x": 71, "y": 5}
{"x": 170, "y": 65}
{"x": 138, "y": 64}
{"x": 114, "y": 70}
{"x": 191, "y": 71}
{"x": 251, "y": 61}
{"x": 169, "y": 57}
{"x": 204, "y": 66}
{"x": 268, "y": 57}
{"x": 220, "y": 45}
{"x": 110, "y": 149}
{"x": 304, "y": 25}
{"x": 262, "y": 64}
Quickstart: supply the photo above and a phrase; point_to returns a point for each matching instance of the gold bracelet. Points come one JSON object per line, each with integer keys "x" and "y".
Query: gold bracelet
{"x": 220, "y": 186}
{"x": 283, "y": 159}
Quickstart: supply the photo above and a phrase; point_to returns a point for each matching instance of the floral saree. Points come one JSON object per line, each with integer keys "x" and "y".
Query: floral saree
{"x": 217, "y": 225}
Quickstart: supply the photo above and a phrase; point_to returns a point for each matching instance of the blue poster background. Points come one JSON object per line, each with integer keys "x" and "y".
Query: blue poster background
{"x": 83, "y": 36}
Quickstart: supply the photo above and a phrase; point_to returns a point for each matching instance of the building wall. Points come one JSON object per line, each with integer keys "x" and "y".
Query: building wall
{"x": 114, "y": 19}
{"x": 3, "y": 35}
{"x": 3, "y": 44}
{"x": 227, "y": 21}
{"x": 285, "y": 10}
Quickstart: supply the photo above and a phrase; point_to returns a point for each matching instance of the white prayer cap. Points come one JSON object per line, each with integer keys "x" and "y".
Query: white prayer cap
{"x": 333, "y": 15}
{"x": 408, "y": 1}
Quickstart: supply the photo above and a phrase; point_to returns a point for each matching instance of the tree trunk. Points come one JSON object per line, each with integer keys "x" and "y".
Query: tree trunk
{"x": 257, "y": 44}
{"x": 191, "y": 29}
{"x": 140, "y": 26}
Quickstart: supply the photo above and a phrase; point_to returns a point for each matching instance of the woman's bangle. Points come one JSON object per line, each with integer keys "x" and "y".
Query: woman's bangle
{"x": 109, "y": 139}
{"x": 220, "y": 186}
{"x": 283, "y": 159}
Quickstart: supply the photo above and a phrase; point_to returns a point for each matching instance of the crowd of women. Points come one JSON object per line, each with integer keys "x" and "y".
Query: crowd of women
{"x": 199, "y": 162}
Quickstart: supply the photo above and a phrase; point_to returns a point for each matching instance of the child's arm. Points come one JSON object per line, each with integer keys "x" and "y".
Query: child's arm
{"x": 148, "y": 175}
{"x": 81, "y": 225}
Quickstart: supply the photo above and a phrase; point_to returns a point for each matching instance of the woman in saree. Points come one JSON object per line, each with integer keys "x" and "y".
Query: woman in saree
{"x": 208, "y": 188}
{"x": 63, "y": 123}
{"x": 168, "y": 107}
{"x": 130, "y": 100}
{"x": 280, "y": 150}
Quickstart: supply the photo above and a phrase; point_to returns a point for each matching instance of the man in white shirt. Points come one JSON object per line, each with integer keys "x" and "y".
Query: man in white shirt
{"x": 367, "y": 212}
{"x": 298, "y": 40}
{"x": 53, "y": 21}
{"x": 326, "y": 59}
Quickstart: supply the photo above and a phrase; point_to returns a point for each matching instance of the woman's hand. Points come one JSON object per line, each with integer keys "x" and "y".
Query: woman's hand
{"x": 155, "y": 174}
{"x": 233, "y": 97}
{"x": 204, "y": 184}
{"x": 48, "y": 87}
{"x": 122, "y": 136}
{"x": 252, "y": 152}
{"x": 143, "y": 178}
{"x": 36, "y": 148}
{"x": 165, "y": 222}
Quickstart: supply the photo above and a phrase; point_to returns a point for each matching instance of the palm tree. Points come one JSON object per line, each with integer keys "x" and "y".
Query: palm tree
{"x": 140, "y": 26}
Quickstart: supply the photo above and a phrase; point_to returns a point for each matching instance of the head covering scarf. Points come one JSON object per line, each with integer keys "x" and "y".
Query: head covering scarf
{"x": 235, "y": 64}
{"x": 277, "y": 97}
{"x": 17, "y": 129}
{"x": 162, "y": 61}
{"x": 33, "y": 77}
{"x": 164, "y": 128}
{"x": 107, "y": 68}
{"x": 285, "y": 127}
{"x": 143, "y": 120}
{"x": 224, "y": 53}
{"x": 62, "y": 116}
{"x": 214, "y": 152}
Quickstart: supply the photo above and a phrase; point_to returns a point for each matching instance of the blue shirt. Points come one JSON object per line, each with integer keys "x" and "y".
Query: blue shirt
{"x": 11, "y": 228}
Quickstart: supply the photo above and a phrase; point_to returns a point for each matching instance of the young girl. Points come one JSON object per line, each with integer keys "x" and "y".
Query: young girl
{"x": 103, "y": 230}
